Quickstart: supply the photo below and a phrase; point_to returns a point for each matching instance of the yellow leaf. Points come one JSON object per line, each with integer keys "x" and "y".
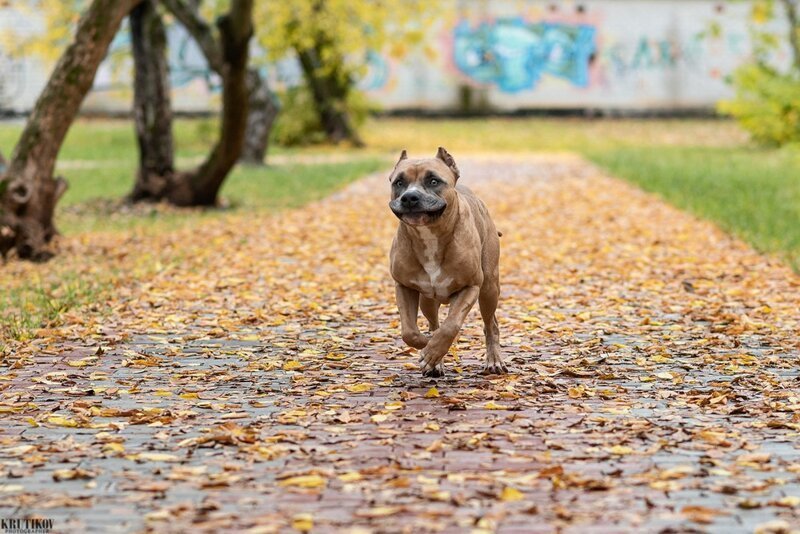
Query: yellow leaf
{"x": 189, "y": 396}
{"x": 292, "y": 365}
{"x": 72, "y": 474}
{"x": 359, "y": 388}
{"x": 379, "y": 511}
{"x": 379, "y": 418}
{"x": 440, "y": 495}
{"x": 335, "y": 356}
{"x": 432, "y": 393}
{"x": 394, "y": 405}
{"x": 576, "y": 392}
{"x": 62, "y": 421}
{"x": 350, "y": 476}
{"x": 714, "y": 437}
{"x": 619, "y": 449}
{"x": 304, "y": 481}
{"x": 162, "y": 393}
{"x": 510, "y": 494}
{"x": 113, "y": 447}
{"x": 302, "y": 522}
{"x": 491, "y": 405}
{"x": 789, "y": 501}
{"x": 83, "y": 362}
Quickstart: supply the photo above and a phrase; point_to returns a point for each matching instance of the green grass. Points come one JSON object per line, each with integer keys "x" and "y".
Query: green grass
{"x": 749, "y": 192}
{"x": 495, "y": 134}
{"x": 99, "y": 159}
{"x": 104, "y": 140}
{"x": 85, "y": 207}
{"x": 42, "y": 303}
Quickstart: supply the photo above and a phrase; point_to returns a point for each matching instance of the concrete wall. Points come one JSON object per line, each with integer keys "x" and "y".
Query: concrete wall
{"x": 501, "y": 54}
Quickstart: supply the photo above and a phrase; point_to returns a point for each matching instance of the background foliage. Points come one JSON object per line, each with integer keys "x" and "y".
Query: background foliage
{"x": 767, "y": 101}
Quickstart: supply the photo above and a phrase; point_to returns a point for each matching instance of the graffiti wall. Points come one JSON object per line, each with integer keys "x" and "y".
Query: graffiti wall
{"x": 501, "y": 54}
{"x": 514, "y": 54}
{"x": 604, "y": 54}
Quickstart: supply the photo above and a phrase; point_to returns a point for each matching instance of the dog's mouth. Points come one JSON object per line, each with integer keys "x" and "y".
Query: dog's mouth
{"x": 421, "y": 218}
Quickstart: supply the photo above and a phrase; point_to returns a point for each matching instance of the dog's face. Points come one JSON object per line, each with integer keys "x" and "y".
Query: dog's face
{"x": 422, "y": 189}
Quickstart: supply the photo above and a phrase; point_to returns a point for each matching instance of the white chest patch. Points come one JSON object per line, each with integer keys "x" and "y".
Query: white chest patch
{"x": 437, "y": 284}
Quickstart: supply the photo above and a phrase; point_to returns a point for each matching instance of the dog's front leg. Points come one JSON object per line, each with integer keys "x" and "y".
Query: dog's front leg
{"x": 408, "y": 304}
{"x": 460, "y": 304}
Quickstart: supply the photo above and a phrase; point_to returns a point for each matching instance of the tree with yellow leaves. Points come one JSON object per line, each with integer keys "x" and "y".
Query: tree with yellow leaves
{"x": 767, "y": 101}
{"x": 331, "y": 40}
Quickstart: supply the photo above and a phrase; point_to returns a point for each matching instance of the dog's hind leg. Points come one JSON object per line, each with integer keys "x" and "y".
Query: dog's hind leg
{"x": 430, "y": 309}
{"x": 487, "y": 301}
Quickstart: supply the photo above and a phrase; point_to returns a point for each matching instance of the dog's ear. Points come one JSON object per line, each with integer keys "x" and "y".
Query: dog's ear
{"x": 403, "y": 155}
{"x": 448, "y": 160}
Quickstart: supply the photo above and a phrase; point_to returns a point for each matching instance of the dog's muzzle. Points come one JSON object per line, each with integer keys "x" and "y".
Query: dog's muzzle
{"x": 418, "y": 209}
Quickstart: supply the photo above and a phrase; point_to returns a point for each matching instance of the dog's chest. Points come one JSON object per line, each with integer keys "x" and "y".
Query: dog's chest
{"x": 433, "y": 282}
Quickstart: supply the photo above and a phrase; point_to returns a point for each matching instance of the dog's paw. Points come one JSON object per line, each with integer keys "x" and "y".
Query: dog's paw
{"x": 430, "y": 365}
{"x": 494, "y": 366}
{"x": 435, "y": 372}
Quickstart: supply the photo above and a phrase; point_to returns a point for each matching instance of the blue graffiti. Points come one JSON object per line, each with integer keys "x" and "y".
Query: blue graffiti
{"x": 377, "y": 73}
{"x": 515, "y": 54}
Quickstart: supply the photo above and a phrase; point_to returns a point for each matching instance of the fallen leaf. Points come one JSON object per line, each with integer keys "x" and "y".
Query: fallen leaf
{"x": 432, "y": 393}
{"x": 304, "y": 481}
{"x": 510, "y": 494}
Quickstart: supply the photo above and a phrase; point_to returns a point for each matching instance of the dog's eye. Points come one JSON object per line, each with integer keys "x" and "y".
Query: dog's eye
{"x": 399, "y": 183}
{"x": 433, "y": 182}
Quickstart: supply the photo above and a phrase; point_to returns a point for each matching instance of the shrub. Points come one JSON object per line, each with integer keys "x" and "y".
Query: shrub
{"x": 298, "y": 122}
{"x": 767, "y": 104}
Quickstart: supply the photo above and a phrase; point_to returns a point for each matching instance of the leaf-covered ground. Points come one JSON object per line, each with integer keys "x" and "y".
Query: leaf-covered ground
{"x": 248, "y": 374}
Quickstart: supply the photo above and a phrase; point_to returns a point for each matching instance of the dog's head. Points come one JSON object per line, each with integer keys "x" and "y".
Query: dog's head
{"x": 422, "y": 189}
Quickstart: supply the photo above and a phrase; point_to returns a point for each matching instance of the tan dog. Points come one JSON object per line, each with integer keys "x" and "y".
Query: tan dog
{"x": 446, "y": 251}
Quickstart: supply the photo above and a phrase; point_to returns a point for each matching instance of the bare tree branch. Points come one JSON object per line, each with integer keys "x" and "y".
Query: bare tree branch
{"x": 791, "y": 8}
{"x": 188, "y": 15}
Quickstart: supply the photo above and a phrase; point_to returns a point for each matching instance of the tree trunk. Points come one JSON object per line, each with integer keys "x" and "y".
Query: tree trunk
{"x": 201, "y": 186}
{"x": 263, "y": 111}
{"x": 793, "y": 17}
{"x": 330, "y": 92}
{"x": 263, "y": 106}
{"x": 152, "y": 109}
{"x": 29, "y": 192}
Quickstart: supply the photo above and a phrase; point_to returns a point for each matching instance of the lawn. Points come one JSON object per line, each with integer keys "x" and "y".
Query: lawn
{"x": 99, "y": 159}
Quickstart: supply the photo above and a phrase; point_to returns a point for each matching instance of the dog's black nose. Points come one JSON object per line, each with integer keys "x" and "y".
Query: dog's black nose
{"x": 410, "y": 199}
